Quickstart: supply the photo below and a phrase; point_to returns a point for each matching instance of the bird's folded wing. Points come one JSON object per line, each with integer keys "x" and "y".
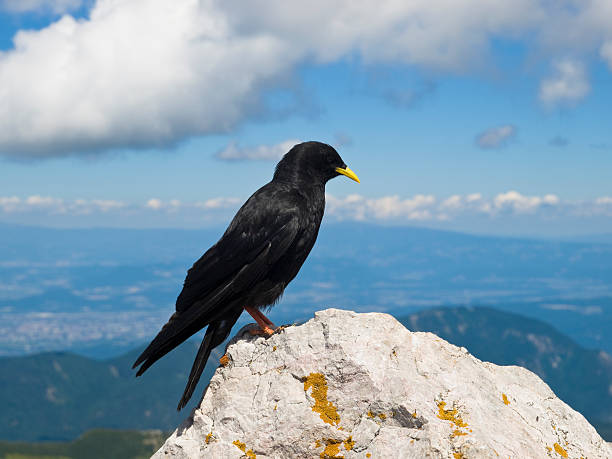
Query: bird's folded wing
{"x": 241, "y": 258}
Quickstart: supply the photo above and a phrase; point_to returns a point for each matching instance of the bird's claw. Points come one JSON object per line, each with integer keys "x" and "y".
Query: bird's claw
{"x": 265, "y": 331}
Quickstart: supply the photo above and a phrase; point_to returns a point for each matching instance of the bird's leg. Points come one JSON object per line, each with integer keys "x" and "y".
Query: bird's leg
{"x": 266, "y": 325}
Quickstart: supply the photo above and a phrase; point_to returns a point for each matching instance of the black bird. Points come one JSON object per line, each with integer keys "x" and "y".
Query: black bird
{"x": 261, "y": 251}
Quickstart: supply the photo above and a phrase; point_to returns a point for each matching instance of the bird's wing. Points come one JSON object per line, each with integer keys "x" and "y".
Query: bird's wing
{"x": 208, "y": 303}
{"x": 252, "y": 243}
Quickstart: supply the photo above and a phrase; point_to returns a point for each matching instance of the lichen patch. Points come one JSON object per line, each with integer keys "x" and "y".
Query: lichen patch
{"x": 349, "y": 443}
{"x": 242, "y": 447}
{"x": 505, "y": 399}
{"x": 450, "y": 415}
{"x": 332, "y": 449}
{"x": 559, "y": 450}
{"x": 326, "y": 409}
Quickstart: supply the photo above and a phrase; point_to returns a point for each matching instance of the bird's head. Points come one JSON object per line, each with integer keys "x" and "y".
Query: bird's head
{"x": 312, "y": 162}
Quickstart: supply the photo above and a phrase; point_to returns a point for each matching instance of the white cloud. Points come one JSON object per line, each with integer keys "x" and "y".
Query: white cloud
{"x": 219, "y": 203}
{"x": 147, "y": 73}
{"x": 234, "y": 152}
{"x": 568, "y": 85}
{"x": 55, "y": 6}
{"x": 496, "y": 137}
{"x": 417, "y": 208}
{"x": 357, "y": 207}
{"x": 606, "y": 52}
{"x": 52, "y": 205}
{"x": 154, "y": 204}
{"x": 604, "y": 201}
{"x": 516, "y": 202}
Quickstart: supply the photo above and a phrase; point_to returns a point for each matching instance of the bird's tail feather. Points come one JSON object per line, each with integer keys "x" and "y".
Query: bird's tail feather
{"x": 216, "y": 333}
{"x": 167, "y": 339}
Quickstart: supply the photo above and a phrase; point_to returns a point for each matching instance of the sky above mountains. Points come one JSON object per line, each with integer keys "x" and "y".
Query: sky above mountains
{"x": 474, "y": 115}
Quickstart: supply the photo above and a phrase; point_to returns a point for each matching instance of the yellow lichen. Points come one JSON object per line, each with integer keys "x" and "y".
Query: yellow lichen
{"x": 505, "y": 399}
{"x": 382, "y": 416}
{"x": 414, "y": 415}
{"x": 326, "y": 409}
{"x": 458, "y": 455}
{"x": 450, "y": 415}
{"x": 224, "y": 360}
{"x": 368, "y": 455}
{"x": 371, "y": 415}
{"x": 349, "y": 443}
{"x": 275, "y": 406}
{"x": 332, "y": 449}
{"x": 208, "y": 437}
{"x": 549, "y": 449}
{"x": 560, "y": 451}
{"x": 273, "y": 348}
{"x": 242, "y": 447}
{"x": 458, "y": 433}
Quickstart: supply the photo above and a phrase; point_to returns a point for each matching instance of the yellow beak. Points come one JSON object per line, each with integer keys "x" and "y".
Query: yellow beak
{"x": 349, "y": 173}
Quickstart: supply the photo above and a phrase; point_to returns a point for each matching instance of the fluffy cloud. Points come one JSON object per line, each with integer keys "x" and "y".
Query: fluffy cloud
{"x": 606, "y": 52}
{"x": 418, "y": 208}
{"x": 516, "y": 202}
{"x": 234, "y": 152}
{"x": 52, "y": 205}
{"x": 146, "y": 73}
{"x": 568, "y": 85}
{"x": 55, "y": 6}
{"x": 429, "y": 208}
{"x": 496, "y": 137}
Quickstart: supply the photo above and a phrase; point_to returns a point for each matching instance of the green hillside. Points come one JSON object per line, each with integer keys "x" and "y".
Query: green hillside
{"x": 59, "y": 396}
{"x": 95, "y": 444}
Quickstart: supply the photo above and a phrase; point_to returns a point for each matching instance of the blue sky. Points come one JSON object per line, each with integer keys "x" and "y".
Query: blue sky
{"x": 458, "y": 115}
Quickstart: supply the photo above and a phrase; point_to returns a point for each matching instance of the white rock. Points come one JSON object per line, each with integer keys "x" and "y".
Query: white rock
{"x": 380, "y": 391}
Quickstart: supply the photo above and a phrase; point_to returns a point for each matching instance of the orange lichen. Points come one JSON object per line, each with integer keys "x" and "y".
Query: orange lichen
{"x": 349, "y": 443}
{"x": 368, "y": 455}
{"x": 458, "y": 433}
{"x": 560, "y": 451}
{"x": 505, "y": 399}
{"x": 414, "y": 415}
{"x": 326, "y": 409}
{"x": 332, "y": 449}
{"x": 224, "y": 360}
{"x": 382, "y": 416}
{"x": 371, "y": 415}
{"x": 549, "y": 449}
{"x": 273, "y": 348}
{"x": 458, "y": 455}
{"x": 242, "y": 447}
{"x": 450, "y": 415}
{"x": 208, "y": 437}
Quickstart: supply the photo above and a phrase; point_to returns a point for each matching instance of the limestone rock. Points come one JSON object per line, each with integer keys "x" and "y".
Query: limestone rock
{"x": 363, "y": 386}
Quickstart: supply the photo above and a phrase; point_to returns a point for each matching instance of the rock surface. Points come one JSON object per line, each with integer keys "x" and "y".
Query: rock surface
{"x": 363, "y": 386}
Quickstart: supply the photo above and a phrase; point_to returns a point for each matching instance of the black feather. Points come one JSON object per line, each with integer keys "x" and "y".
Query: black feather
{"x": 261, "y": 251}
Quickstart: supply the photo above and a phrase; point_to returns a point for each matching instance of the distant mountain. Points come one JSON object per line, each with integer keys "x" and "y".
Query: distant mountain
{"x": 580, "y": 377}
{"x": 58, "y": 396}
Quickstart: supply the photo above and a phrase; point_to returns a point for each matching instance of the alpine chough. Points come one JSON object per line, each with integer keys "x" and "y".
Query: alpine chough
{"x": 261, "y": 251}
